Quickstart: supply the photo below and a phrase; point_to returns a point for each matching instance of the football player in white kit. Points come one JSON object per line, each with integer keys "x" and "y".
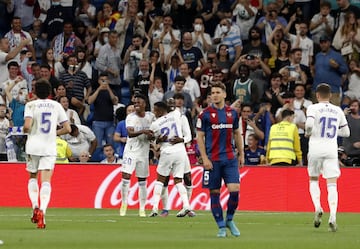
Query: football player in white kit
{"x": 41, "y": 119}
{"x": 168, "y": 132}
{"x": 174, "y": 106}
{"x": 324, "y": 123}
{"x": 136, "y": 153}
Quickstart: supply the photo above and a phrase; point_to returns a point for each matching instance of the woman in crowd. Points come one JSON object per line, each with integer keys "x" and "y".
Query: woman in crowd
{"x": 276, "y": 36}
{"x": 48, "y": 58}
{"x": 353, "y": 78}
{"x": 60, "y": 91}
{"x": 83, "y": 63}
{"x": 281, "y": 54}
{"x": 347, "y": 37}
{"x": 223, "y": 59}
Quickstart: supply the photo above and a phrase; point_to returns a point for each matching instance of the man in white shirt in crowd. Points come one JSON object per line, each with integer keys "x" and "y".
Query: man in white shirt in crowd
{"x": 191, "y": 85}
{"x": 301, "y": 40}
{"x": 80, "y": 139}
{"x": 13, "y": 69}
{"x": 6, "y": 55}
{"x": 73, "y": 116}
{"x": 110, "y": 156}
{"x": 168, "y": 37}
{"x": 230, "y": 37}
{"x": 16, "y": 35}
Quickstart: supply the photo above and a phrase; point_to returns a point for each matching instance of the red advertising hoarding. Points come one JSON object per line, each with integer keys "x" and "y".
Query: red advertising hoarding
{"x": 98, "y": 186}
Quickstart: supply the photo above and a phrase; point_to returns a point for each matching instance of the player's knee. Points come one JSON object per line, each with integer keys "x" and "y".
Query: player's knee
{"x": 331, "y": 180}
{"x": 232, "y": 187}
{"x": 162, "y": 179}
{"x": 314, "y": 178}
{"x": 141, "y": 179}
{"x": 187, "y": 179}
{"x": 214, "y": 191}
{"x": 33, "y": 175}
{"x": 166, "y": 182}
{"x": 177, "y": 180}
{"x": 126, "y": 176}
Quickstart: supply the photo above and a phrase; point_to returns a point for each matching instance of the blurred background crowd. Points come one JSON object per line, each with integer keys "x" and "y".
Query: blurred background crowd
{"x": 270, "y": 54}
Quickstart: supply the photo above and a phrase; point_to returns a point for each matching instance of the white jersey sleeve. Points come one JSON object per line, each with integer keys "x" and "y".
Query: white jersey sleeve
{"x": 185, "y": 127}
{"x": 344, "y": 130}
{"x": 45, "y": 115}
{"x": 155, "y": 128}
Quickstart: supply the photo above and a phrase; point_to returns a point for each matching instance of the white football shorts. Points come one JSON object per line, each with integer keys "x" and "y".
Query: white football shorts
{"x": 173, "y": 163}
{"x": 137, "y": 163}
{"x": 36, "y": 163}
{"x": 327, "y": 167}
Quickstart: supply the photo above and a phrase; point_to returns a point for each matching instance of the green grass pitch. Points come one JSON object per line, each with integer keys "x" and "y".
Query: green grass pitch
{"x": 105, "y": 229}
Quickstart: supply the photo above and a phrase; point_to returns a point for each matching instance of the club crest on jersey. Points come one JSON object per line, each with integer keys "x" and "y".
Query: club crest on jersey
{"x": 228, "y": 114}
{"x": 213, "y": 115}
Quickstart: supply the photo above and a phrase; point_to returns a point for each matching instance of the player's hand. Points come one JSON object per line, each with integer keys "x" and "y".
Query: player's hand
{"x": 151, "y": 137}
{"x": 241, "y": 160}
{"x": 148, "y": 132}
{"x": 207, "y": 164}
{"x": 161, "y": 139}
{"x": 176, "y": 140}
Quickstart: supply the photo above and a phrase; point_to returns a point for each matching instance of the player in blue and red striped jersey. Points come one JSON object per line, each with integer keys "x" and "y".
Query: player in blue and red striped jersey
{"x": 218, "y": 130}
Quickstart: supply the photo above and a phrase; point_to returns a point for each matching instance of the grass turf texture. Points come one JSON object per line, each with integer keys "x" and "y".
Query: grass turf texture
{"x": 91, "y": 228}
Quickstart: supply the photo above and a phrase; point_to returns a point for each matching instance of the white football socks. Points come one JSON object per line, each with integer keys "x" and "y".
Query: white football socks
{"x": 183, "y": 195}
{"x": 142, "y": 195}
{"x": 33, "y": 191}
{"x": 164, "y": 197}
{"x": 315, "y": 194}
{"x": 45, "y": 192}
{"x": 158, "y": 188}
{"x": 188, "y": 191}
{"x": 124, "y": 190}
{"x": 332, "y": 200}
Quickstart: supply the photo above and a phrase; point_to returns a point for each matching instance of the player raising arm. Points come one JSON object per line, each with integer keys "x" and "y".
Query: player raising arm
{"x": 41, "y": 119}
{"x": 218, "y": 128}
{"x": 324, "y": 123}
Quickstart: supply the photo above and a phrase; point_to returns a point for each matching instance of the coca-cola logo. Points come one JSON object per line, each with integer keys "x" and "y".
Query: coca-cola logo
{"x": 109, "y": 192}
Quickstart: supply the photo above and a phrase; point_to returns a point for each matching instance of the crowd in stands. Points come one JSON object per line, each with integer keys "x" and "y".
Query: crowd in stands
{"x": 97, "y": 54}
